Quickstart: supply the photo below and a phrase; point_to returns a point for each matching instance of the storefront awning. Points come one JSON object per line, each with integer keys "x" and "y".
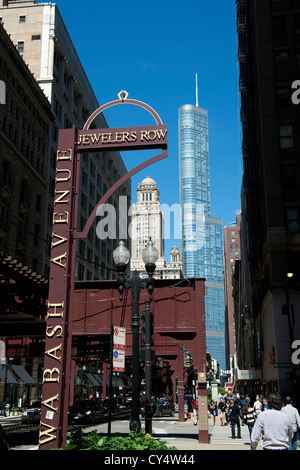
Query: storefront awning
{"x": 23, "y": 375}
{"x": 99, "y": 378}
{"x": 6, "y": 375}
{"x": 116, "y": 381}
{"x": 92, "y": 379}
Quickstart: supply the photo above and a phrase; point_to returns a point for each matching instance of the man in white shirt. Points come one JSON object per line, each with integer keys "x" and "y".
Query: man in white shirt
{"x": 293, "y": 414}
{"x": 273, "y": 427}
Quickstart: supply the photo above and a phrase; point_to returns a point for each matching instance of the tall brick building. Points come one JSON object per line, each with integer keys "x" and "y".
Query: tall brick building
{"x": 46, "y": 89}
{"x": 232, "y": 252}
{"x": 40, "y": 36}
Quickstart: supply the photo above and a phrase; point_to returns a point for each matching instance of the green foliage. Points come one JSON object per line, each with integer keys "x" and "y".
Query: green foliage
{"x": 78, "y": 440}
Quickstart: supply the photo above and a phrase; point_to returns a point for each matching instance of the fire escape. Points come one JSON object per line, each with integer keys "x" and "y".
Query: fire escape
{"x": 251, "y": 194}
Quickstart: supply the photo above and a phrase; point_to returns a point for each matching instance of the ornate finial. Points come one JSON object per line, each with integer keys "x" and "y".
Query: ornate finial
{"x": 123, "y": 95}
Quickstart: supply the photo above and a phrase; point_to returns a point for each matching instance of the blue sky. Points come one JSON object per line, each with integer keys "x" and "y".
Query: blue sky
{"x": 153, "y": 50}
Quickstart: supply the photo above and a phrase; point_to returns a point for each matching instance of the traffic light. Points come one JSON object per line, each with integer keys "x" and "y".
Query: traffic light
{"x": 151, "y": 328}
{"x": 143, "y": 329}
{"x": 147, "y": 324}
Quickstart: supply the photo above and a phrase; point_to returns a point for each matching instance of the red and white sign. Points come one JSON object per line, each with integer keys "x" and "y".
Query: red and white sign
{"x": 119, "y": 337}
{"x": 119, "y": 360}
{"x": 228, "y": 385}
{"x": 119, "y": 349}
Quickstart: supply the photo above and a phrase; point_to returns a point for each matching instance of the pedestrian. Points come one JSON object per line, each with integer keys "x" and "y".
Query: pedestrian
{"x": 265, "y": 404}
{"x": 213, "y": 412}
{"x": 241, "y": 405}
{"x": 234, "y": 417}
{"x": 241, "y": 401}
{"x": 221, "y": 408}
{"x": 272, "y": 426}
{"x": 293, "y": 414}
{"x": 195, "y": 411}
{"x": 249, "y": 416}
{"x": 257, "y": 406}
{"x": 227, "y": 406}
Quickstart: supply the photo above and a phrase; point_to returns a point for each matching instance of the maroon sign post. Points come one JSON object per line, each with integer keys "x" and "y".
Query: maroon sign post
{"x": 71, "y": 143}
{"x": 59, "y": 326}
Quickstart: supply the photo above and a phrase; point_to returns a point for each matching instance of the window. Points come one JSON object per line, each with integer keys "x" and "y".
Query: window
{"x": 281, "y": 61}
{"x": 290, "y": 176}
{"x": 21, "y": 47}
{"x": 35, "y": 37}
{"x": 298, "y": 60}
{"x": 22, "y": 19}
{"x": 286, "y": 136}
{"x": 297, "y": 23}
{"x": 38, "y": 203}
{"x": 283, "y": 96}
{"x": 278, "y": 25}
{"x": 36, "y": 234}
{"x": 292, "y": 216}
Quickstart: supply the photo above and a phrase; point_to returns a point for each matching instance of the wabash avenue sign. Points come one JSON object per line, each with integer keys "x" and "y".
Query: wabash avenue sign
{"x": 71, "y": 143}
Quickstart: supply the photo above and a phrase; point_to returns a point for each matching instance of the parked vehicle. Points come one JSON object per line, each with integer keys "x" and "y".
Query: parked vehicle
{"x": 3, "y": 443}
{"x": 114, "y": 405}
{"x": 86, "y": 411}
{"x": 32, "y": 414}
{"x": 128, "y": 399}
{"x": 164, "y": 408}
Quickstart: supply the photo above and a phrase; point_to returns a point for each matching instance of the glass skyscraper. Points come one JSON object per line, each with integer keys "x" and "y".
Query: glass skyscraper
{"x": 202, "y": 234}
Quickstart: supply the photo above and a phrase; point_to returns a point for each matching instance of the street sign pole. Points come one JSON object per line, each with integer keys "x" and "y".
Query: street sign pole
{"x": 148, "y": 369}
{"x": 110, "y": 378}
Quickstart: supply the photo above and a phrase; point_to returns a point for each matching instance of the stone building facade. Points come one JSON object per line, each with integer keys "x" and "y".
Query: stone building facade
{"x": 148, "y": 222}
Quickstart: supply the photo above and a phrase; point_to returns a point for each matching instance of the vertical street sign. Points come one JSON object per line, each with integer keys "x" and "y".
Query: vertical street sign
{"x": 119, "y": 344}
{"x": 56, "y": 374}
{"x": 119, "y": 337}
{"x": 119, "y": 360}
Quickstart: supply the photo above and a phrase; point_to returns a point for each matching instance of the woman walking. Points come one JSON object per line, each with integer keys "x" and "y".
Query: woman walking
{"x": 213, "y": 412}
{"x": 222, "y": 409}
{"x": 249, "y": 417}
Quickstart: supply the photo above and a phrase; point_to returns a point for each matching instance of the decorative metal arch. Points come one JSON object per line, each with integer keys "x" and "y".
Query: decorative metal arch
{"x": 122, "y": 100}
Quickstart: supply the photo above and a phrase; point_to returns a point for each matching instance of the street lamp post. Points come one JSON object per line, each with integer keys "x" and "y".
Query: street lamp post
{"x": 121, "y": 257}
{"x": 291, "y": 324}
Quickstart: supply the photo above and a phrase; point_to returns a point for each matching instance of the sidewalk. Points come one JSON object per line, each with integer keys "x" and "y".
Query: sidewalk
{"x": 219, "y": 438}
{"x": 184, "y": 436}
